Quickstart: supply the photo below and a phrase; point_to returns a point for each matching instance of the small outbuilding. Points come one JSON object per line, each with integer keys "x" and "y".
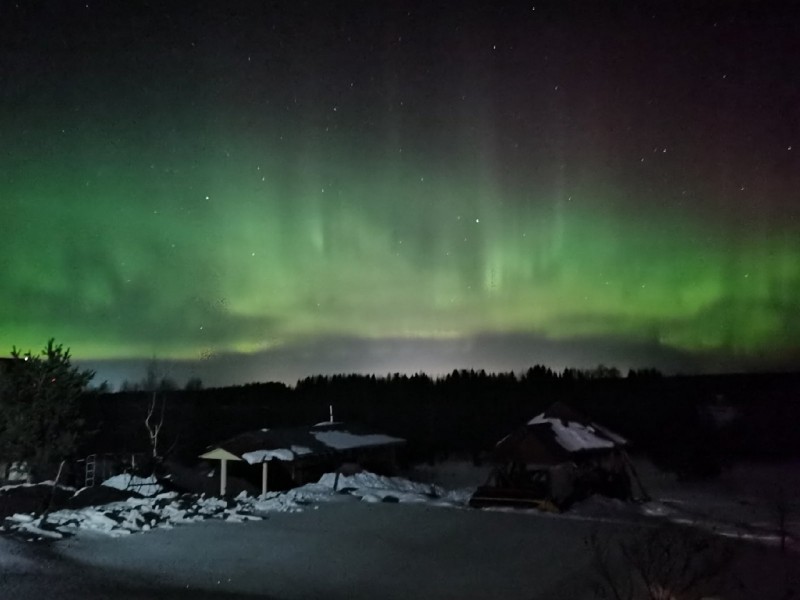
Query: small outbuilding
{"x": 289, "y": 457}
{"x": 557, "y": 457}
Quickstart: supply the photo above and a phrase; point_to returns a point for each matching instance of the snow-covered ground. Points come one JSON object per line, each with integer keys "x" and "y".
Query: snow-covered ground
{"x": 152, "y": 508}
{"x": 745, "y": 500}
{"x": 359, "y": 551}
{"x": 375, "y": 537}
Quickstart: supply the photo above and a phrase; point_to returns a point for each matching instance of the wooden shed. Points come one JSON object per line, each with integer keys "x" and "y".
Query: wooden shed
{"x": 559, "y": 456}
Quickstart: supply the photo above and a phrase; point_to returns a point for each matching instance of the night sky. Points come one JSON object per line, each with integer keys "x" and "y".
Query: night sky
{"x": 249, "y": 191}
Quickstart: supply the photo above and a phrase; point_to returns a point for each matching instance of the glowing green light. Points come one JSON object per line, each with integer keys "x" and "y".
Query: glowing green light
{"x": 203, "y": 251}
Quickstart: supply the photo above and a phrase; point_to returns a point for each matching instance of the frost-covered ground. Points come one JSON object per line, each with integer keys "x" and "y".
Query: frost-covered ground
{"x": 372, "y": 537}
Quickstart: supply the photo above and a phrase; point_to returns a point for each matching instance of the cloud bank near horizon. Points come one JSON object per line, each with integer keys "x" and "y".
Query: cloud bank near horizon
{"x": 492, "y": 353}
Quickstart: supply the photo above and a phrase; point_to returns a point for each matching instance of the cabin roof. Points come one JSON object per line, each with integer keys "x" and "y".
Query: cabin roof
{"x": 292, "y": 443}
{"x": 559, "y": 434}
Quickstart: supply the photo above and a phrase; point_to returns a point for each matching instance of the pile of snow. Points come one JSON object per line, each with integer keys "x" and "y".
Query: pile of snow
{"x": 144, "y": 486}
{"x": 135, "y": 515}
{"x": 260, "y": 506}
{"x": 378, "y": 488}
{"x": 165, "y": 510}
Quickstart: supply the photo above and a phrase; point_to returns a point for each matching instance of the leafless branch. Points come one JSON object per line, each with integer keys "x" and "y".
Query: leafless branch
{"x": 154, "y": 428}
{"x": 662, "y": 563}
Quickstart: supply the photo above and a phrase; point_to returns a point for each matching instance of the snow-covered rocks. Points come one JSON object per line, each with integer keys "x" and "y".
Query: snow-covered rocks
{"x": 153, "y": 509}
{"x": 130, "y": 516}
{"x": 144, "y": 486}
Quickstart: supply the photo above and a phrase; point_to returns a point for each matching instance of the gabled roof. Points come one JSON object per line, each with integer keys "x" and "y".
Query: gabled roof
{"x": 559, "y": 434}
{"x": 288, "y": 444}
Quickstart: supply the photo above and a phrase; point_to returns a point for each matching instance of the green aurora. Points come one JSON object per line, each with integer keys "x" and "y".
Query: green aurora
{"x": 232, "y": 255}
{"x": 162, "y": 200}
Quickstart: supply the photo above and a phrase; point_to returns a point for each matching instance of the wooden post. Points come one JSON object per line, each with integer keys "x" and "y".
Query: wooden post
{"x": 264, "y": 474}
{"x": 223, "y": 477}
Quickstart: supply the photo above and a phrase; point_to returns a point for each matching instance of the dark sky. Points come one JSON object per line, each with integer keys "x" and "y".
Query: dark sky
{"x": 267, "y": 190}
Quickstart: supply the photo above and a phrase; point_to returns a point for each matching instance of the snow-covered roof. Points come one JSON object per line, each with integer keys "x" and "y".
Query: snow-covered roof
{"x": 574, "y": 436}
{"x": 614, "y": 437}
{"x": 344, "y": 440}
{"x": 289, "y": 444}
{"x": 287, "y": 454}
{"x": 557, "y": 435}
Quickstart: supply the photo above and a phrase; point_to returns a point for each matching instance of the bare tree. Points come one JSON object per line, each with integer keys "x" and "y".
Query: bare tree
{"x": 153, "y": 424}
{"x": 157, "y": 384}
{"x": 662, "y": 563}
{"x": 779, "y": 500}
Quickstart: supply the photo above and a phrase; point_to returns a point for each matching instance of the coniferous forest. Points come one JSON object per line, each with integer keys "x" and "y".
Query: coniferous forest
{"x": 671, "y": 419}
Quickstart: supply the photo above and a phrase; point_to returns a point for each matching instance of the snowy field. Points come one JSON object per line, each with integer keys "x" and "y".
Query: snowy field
{"x": 378, "y": 538}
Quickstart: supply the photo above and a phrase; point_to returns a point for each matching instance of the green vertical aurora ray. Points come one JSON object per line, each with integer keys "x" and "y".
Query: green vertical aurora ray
{"x": 239, "y": 245}
{"x": 237, "y": 178}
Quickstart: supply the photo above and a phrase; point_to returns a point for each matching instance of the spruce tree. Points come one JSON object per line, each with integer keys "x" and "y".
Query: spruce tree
{"x": 39, "y": 414}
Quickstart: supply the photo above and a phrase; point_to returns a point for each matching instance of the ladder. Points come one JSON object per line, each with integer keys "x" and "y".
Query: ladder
{"x": 90, "y": 470}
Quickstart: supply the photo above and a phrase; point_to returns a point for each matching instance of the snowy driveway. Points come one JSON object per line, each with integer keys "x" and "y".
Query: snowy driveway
{"x": 357, "y": 550}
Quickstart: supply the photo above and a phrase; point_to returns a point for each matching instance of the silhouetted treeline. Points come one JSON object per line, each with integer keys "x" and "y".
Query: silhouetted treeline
{"x": 670, "y": 418}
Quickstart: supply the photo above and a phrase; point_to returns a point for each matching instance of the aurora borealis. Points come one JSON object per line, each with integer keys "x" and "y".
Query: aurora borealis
{"x": 270, "y": 190}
